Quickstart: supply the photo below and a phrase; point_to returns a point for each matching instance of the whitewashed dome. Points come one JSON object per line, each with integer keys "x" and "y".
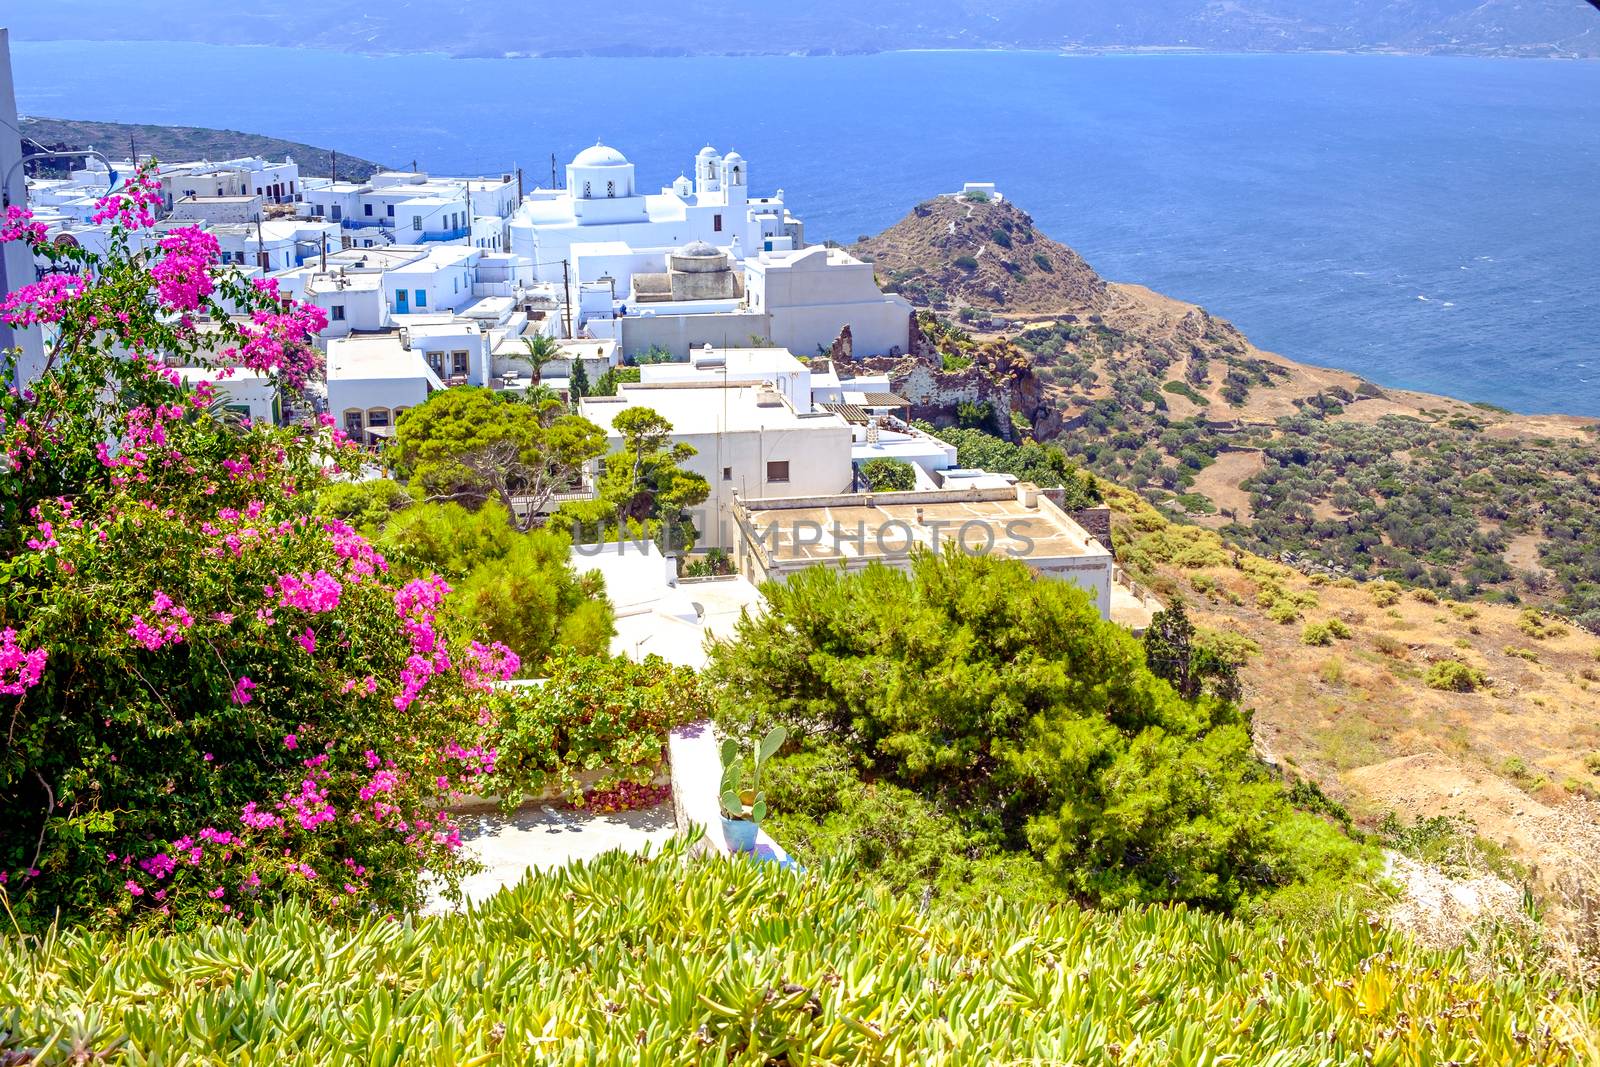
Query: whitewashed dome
{"x": 600, "y": 155}
{"x": 698, "y": 249}
{"x": 707, "y": 153}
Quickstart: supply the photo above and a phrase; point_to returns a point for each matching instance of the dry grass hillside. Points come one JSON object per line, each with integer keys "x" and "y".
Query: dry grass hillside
{"x": 1344, "y": 677}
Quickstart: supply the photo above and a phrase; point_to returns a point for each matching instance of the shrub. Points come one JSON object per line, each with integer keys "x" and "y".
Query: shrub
{"x": 889, "y": 475}
{"x": 1425, "y": 596}
{"x": 1324, "y": 633}
{"x": 1042, "y": 261}
{"x": 966, "y": 262}
{"x": 591, "y": 714}
{"x": 1522, "y": 653}
{"x": 954, "y": 361}
{"x": 1283, "y": 611}
{"x": 1184, "y": 389}
{"x": 1384, "y": 594}
{"x": 1455, "y": 676}
{"x": 1000, "y": 237}
{"x": 1010, "y": 701}
{"x": 1538, "y": 627}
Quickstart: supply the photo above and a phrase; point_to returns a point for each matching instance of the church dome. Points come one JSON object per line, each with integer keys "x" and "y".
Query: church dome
{"x": 600, "y": 155}
{"x": 707, "y": 153}
{"x": 733, "y": 157}
{"x": 698, "y": 250}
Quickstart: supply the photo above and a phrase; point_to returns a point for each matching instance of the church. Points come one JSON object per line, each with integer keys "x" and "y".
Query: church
{"x": 602, "y": 204}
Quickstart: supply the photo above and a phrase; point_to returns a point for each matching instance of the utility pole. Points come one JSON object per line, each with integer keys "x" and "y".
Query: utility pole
{"x": 335, "y": 166}
{"x": 553, "y": 183}
{"x": 519, "y": 185}
{"x": 133, "y": 149}
{"x": 566, "y": 290}
{"x": 261, "y": 254}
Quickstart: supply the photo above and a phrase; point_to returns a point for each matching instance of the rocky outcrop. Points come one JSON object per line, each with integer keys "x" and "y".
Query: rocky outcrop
{"x": 952, "y": 253}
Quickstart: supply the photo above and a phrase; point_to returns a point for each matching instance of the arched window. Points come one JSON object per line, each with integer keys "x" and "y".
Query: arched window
{"x": 377, "y": 417}
{"x": 353, "y": 422}
{"x": 611, "y": 188}
{"x": 736, "y": 175}
{"x": 586, "y": 191}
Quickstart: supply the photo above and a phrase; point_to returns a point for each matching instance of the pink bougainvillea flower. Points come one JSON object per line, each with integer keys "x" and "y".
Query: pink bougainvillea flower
{"x": 20, "y": 669}
{"x": 241, "y": 690}
{"x": 44, "y": 301}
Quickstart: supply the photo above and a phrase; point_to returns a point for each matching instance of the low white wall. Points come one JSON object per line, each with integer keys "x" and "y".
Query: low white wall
{"x": 696, "y": 774}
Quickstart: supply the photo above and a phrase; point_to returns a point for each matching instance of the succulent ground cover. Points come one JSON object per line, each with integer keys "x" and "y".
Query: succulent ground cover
{"x": 672, "y": 961}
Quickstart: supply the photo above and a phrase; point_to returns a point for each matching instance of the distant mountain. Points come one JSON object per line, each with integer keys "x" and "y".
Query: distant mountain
{"x": 696, "y": 27}
{"x": 183, "y": 143}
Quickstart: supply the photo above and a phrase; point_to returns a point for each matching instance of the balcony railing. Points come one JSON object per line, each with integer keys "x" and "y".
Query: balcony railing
{"x": 366, "y": 223}
{"x": 446, "y": 235}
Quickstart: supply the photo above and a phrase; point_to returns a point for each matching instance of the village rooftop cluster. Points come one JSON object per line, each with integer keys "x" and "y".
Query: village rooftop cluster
{"x": 748, "y": 340}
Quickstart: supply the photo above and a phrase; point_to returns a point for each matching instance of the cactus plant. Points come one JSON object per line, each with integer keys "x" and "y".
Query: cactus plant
{"x": 747, "y": 804}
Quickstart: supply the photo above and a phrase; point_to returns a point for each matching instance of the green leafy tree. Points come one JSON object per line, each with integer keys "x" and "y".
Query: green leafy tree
{"x": 643, "y": 486}
{"x": 889, "y": 475}
{"x": 1008, "y": 701}
{"x": 578, "y": 383}
{"x": 532, "y": 600}
{"x": 606, "y": 384}
{"x": 1192, "y": 668}
{"x": 473, "y": 444}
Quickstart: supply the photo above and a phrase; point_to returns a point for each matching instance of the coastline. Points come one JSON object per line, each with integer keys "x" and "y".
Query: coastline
{"x": 1065, "y": 51}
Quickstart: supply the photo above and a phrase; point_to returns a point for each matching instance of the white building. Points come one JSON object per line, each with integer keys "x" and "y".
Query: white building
{"x": 412, "y": 207}
{"x": 780, "y": 536}
{"x": 603, "y": 202}
{"x": 776, "y": 368}
{"x": 748, "y": 440}
{"x": 372, "y": 380}
{"x": 253, "y": 396}
{"x": 809, "y": 295}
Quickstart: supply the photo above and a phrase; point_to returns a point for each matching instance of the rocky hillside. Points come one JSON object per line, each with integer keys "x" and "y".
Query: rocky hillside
{"x": 1309, "y": 464}
{"x": 181, "y": 143}
{"x": 972, "y": 255}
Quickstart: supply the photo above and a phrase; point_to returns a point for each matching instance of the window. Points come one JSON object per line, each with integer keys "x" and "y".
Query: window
{"x": 389, "y": 209}
{"x": 727, "y": 474}
{"x": 258, "y": 190}
{"x": 416, "y": 222}
{"x": 422, "y": 298}
{"x": 777, "y": 470}
{"x": 716, "y": 223}
{"x": 458, "y": 363}
{"x": 611, "y": 188}
{"x": 377, "y": 417}
{"x": 436, "y": 363}
{"x": 338, "y": 213}
{"x": 352, "y": 421}
{"x": 320, "y": 209}
{"x": 336, "y": 313}
{"x": 366, "y": 209}
{"x": 366, "y": 242}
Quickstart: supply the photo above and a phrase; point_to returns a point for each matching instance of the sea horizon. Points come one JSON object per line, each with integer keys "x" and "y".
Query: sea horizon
{"x": 1413, "y": 223}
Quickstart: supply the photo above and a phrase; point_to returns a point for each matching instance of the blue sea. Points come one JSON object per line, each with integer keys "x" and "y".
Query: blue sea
{"x": 1429, "y": 223}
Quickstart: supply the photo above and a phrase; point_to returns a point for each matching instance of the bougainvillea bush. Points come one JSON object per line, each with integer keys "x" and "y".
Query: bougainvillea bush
{"x": 212, "y": 698}
{"x": 603, "y": 719}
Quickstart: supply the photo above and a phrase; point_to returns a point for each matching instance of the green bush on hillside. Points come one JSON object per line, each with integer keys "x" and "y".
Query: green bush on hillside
{"x": 1008, "y": 703}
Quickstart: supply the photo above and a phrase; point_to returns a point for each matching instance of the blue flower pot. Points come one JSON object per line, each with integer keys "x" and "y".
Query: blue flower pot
{"x": 740, "y": 834}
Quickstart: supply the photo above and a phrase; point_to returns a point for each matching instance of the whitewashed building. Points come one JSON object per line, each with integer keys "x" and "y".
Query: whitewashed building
{"x": 748, "y": 440}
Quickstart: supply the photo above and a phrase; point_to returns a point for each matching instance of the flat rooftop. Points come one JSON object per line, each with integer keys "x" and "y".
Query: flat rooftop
{"x": 848, "y": 527}
{"x": 707, "y": 408}
{"x": 375, "y": 356}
